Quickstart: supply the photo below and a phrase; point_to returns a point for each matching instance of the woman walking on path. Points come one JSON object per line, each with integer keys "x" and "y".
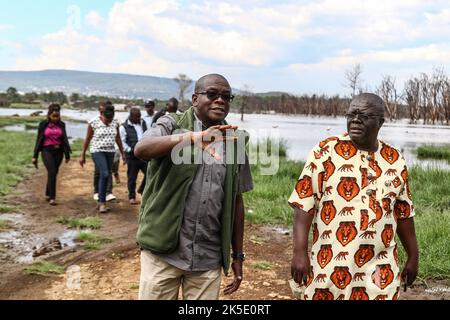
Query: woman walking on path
{"x": 103, "y": 132}
{"x": 52, "y": 141}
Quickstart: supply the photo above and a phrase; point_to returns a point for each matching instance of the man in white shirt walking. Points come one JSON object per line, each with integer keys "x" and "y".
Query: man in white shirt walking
{"x": 131, "y": 131}
{"x": 150, "y": 113}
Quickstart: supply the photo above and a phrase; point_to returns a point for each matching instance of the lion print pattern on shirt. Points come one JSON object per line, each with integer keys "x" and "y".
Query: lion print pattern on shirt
{"x": 356, "y": 198}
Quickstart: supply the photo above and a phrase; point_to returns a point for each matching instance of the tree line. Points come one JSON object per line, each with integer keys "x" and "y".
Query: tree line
{"x": 74, "y": 100}
{"x": 425, "y": 98}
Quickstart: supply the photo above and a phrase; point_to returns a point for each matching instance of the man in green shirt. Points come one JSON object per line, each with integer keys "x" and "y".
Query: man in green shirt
{"x": 192, "y": 212}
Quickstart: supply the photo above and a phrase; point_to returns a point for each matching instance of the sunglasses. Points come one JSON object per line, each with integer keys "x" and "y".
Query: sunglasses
{"x": 214, "y": 95}
{"x": 361, "y": 116}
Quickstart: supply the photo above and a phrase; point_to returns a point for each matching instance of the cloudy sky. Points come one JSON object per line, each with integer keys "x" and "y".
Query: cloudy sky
{"x": 296, "y": 46}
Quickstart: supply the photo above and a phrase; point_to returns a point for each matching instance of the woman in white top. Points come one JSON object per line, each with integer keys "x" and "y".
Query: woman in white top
{"x": 102, "y": 135}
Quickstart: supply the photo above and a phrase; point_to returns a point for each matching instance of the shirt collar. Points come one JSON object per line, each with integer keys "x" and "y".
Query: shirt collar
{"x": 198, "y": 125}
{"x": 134, "y": 124}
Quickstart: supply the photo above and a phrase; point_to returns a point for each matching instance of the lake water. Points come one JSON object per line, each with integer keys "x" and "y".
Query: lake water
{"x": 300, "y": 132}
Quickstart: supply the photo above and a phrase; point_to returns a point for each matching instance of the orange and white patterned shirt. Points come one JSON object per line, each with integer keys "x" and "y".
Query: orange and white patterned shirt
{"x": 356, "y": 198}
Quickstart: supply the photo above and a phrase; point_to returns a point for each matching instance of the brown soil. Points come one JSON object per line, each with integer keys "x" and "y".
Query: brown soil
{"x": 113, "y": 271}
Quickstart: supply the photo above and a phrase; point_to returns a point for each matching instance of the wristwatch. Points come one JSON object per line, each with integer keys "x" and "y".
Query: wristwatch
{"x": 240, "y": 255}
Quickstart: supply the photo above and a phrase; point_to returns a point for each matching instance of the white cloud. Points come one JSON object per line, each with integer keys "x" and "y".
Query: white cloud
{"x": 435, "y": 53}
{"x": 4, "y": 27}
{"x": 252, "y": 39}
{"x": 66, "y": 49}
{"x": 94, "y": 19}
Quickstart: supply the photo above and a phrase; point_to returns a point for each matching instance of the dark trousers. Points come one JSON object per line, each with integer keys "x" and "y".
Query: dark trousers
{"x": 103, "y": 164}
{"x": 52, "y": 159}
{"x": 134, "y": 166}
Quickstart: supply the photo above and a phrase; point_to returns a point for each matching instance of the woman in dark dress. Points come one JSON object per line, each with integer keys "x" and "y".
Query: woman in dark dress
{"x": 52, "y": 141}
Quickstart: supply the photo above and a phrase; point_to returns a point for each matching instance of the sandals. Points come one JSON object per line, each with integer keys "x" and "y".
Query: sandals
{"x": 102, "y": 208}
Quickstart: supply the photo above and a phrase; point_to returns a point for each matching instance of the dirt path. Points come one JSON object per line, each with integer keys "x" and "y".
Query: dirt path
{"x": 113, "y": 271}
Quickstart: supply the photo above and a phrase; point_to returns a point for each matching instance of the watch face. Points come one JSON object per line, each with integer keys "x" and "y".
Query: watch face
{"x": 238, "y": 256}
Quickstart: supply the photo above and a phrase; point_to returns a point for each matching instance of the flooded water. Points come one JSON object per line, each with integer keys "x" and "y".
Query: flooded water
{"x": 300, "y": 132}
{"x": 19, "y": 245}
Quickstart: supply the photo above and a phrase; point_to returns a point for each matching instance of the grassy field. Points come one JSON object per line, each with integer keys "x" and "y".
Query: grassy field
{"x": 430, "y": 188}
{"x": 14, "y": 165}
{"x": 267, "y": 203}
{"x": 434, "y": 152}
{"x": 25, "y": 106}
{"x": 44, "y": 268}
{"x": 15, "y": 158}
{"x": 26, "y": 120}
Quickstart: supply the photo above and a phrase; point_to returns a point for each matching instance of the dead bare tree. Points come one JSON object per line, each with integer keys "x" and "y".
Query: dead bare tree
{"x": 446, "y": 100}
{"x": 437, "y": 86}
{"x": 353, "y": 78}
{"x": 184, "y": 82}
{"x": 424, "y": 96}
{"x": 412, "y": 98}
{"x": 388, "y": 92}
{"x": 246, "y": 94}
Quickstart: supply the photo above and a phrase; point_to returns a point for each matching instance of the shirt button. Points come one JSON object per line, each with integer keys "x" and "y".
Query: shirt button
{"x": 369, "y": 158}
{"x": 369, "y": 192}
{"x": 387, "y": 183}
{"x": 370, "y": 176}
{"x": 204, "y": 202}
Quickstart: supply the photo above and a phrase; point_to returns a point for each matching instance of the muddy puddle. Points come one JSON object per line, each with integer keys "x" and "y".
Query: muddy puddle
{"x": 281, "y": 230}
{"x": 20, "y": 246}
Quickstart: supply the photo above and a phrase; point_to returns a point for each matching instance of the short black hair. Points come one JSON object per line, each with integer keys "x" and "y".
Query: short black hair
{"x": 149, "y": 103}
{"x": 200, "y": 84}
{"x": 54, "y": 107}
{"x": 373, "y": 100}
{"x": 134, "y": 109}
{"x": 174, "y": 101}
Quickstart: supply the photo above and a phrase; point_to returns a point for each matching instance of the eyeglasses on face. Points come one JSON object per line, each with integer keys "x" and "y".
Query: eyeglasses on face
{"x": 361, "y": 116}
{"x": 214, "y": 95}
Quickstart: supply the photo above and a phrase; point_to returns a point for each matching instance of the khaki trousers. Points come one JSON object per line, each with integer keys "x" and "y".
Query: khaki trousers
{"x": 162, "y": 281}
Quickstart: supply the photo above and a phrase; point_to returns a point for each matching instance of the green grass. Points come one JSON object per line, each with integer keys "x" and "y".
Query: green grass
{"x": 434, "y": 152}
{"x": 80, "y": 223}
{"x": 76, "y": 146}
{"x": 31, "y": 126}
{"x": 4, "y": 208}
{"x": 432, "y": 230}
{"x": 267, "y": 144}
{"x": 91, "y": 240}
{"x": 10, "y": 120}
{"x": 17, "y": 105}
{"x": 430, "y": 187}
{"x": 15, "y": 158}
{"x": 262, "y": 265}
{"x": 134, "y": 286}
{"x": 44, "y": 268}
{"x": 268, "y": 200}
{"x": 4, "y": 224}
{"x": 15, "y": 165}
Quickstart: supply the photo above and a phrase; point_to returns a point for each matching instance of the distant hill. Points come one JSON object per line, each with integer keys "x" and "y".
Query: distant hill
{"x": 91, "y": 83}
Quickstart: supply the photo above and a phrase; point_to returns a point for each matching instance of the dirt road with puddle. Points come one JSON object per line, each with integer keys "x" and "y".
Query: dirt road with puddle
{"x": 112, "y": 272}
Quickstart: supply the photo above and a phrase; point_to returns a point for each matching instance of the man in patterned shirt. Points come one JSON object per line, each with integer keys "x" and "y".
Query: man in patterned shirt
{"x": 354, "y": 192}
